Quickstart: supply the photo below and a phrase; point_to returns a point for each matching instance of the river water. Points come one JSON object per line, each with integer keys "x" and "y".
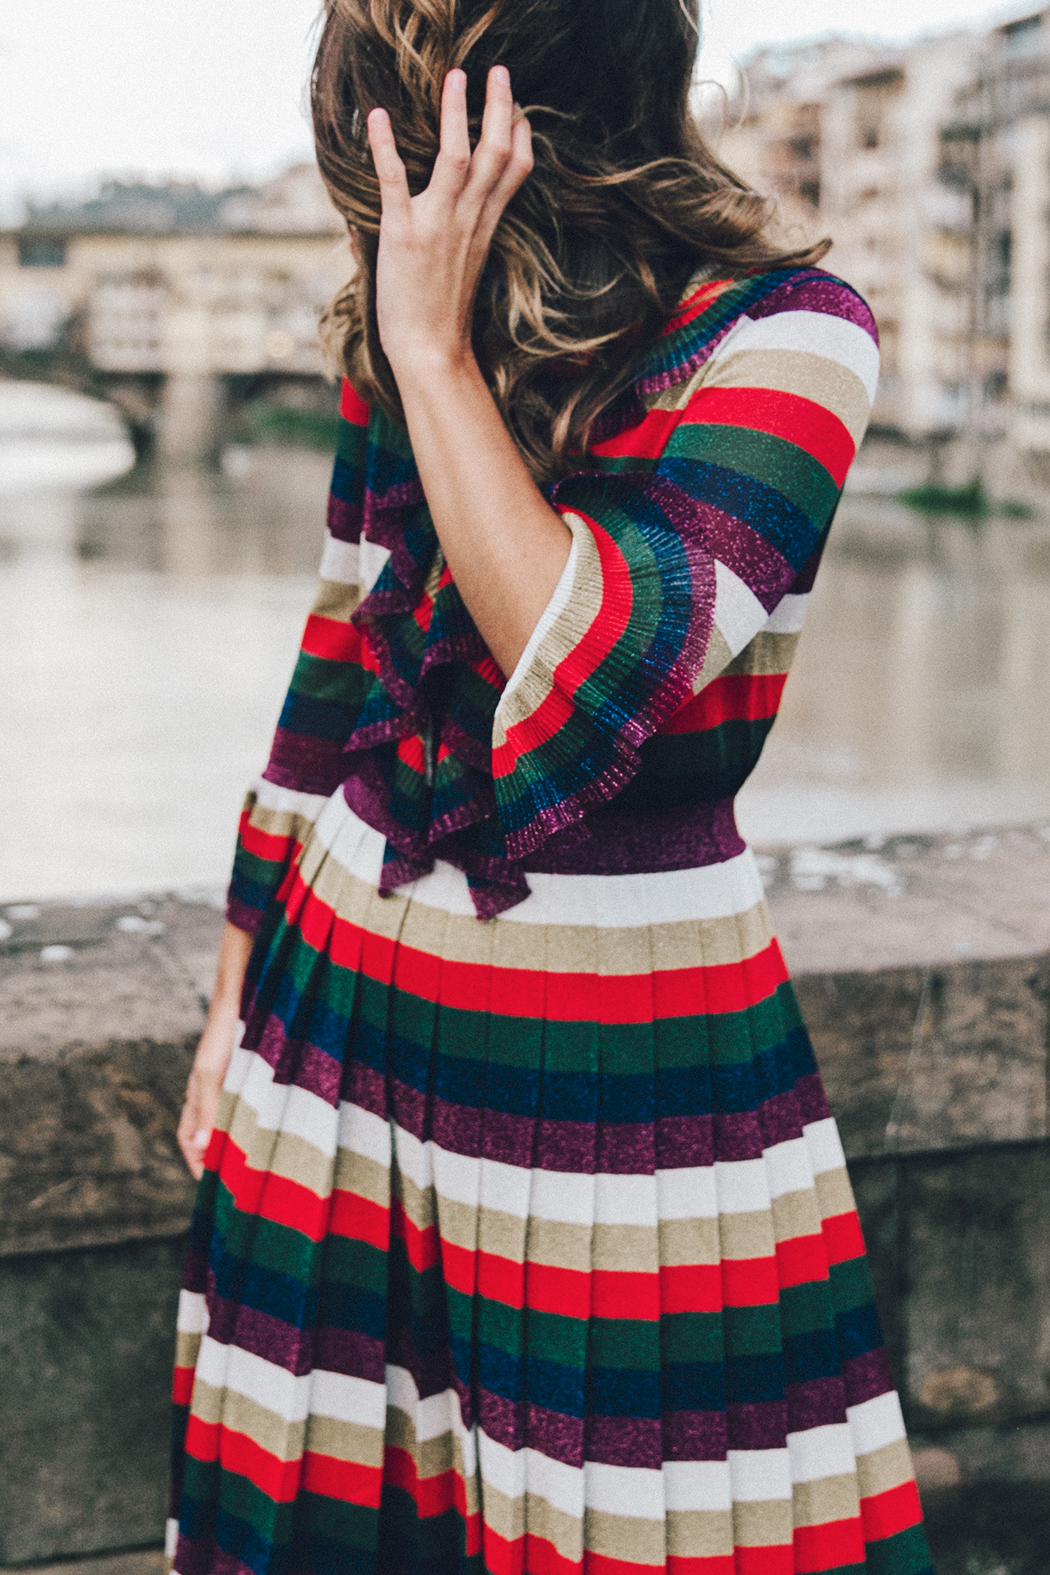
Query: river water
{"x": 149, "y": 624}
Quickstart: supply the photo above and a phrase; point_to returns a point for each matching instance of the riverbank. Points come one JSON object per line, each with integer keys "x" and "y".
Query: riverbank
{"x": 922, "y": 966}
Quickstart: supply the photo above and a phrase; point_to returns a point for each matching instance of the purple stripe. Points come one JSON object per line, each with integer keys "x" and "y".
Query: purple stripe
{"x": 203, "y": 1556}
{"x": 344, "y": 519}
{"x": 763, "y": 570}
{"x": 260, "y": 1333}
{"x": 867, "y": 1376}
{"x": 824, "y": 294}
{"x": 609, "y": 842}
{"x": 305, "y": 764}
{"x": 242, "y": 916}
{"x": 816, "y": 1403}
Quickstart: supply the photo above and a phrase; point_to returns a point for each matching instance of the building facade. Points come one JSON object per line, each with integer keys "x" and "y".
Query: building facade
{"x": 929, "y": 166}
{"x": 171, "y": 293}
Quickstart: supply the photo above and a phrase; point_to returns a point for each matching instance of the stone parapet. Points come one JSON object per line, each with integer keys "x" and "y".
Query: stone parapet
{"x": 921, "y": 964}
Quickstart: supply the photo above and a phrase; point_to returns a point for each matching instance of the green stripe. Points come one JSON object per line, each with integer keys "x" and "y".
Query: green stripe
{"x": 905, "y": 1553}
{"x": 773, "y": 461}
{"x": 726, "y": 1038}
{"x": 327, "y": 678}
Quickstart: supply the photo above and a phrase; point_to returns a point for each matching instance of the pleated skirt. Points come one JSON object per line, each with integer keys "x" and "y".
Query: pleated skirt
{"x": 527, "y": 1247}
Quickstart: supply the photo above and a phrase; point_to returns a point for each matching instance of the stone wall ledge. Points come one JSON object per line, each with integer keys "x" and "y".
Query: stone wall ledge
{"x": 921, "y": 964}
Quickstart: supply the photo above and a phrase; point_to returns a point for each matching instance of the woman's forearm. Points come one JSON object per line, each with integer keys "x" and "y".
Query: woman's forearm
{"x": 505, "y": 545}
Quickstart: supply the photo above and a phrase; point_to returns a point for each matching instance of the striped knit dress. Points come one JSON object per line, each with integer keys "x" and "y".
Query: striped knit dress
{"x": 525, "y": 1244}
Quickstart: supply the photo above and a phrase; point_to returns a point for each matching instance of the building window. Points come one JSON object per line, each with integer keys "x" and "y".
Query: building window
{"x": 41, "y": 254}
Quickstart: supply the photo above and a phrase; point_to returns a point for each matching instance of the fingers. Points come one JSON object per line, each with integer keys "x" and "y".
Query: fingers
{"x": 198, "y": 1118}
{"x": 516, "y": 170}
{"x": 393, "y": 182}
{"x": 452, "y": 166}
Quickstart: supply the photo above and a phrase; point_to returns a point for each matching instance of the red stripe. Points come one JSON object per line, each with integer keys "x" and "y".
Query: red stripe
{"x": 352, "y": 407}
{"x": 733, "y": 697}
{"x": 360, "y": 1219}
{"x": 270, "y": 1196}
{"x": 410, "y": 751}
{"x": 331, "y": 639}
{"x": 714, "y": 1564}
{"x": 604, "y": 631}
{"x": 264, "y": 844}
{"x": 765, "y": 1561}
{"x": 750, "y": 1282}
{"x": 288, "y": 1203}
{"x": 432, "y": 1495}
{"x": 421, "y": 1242}
{"x": 182, "y": 1385}
{"x": 843, "y": 1237}
{"x": 344, "y": 1480}
{"x": 696, "y": 303}
{"x": 810, "y": 426}
{"x": 691, "y": 1287}
{"x": 645, "y": 441}
{"x": 828, "y": 1547}
{"x": 887, "y": 1514}
{"x": 802, "y": 1261}
{"x": 529, "y": 992}
{"x": 236, "y": 1452}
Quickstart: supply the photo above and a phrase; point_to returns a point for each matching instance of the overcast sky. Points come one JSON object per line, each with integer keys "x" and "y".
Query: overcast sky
{"x": 215, "y": 87}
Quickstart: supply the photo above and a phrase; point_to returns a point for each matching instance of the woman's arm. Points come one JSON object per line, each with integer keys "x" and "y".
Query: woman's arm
{"x": 506, "y": 547}
{"x": 215, "y": 1049}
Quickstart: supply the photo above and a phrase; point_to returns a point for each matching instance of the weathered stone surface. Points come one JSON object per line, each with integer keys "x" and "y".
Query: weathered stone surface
{"x": 77, "y": 978}
{"x": 932, "y": 1058}
{"x": 97, "y": 1046}
{"x": 977, "y": 1239}
{"x": 911, "y": 901}
{"x": 85, "y": 1352}
{"x": 142, "y": 1561}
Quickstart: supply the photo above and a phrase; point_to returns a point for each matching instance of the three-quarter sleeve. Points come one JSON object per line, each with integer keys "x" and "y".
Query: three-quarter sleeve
{"x": 306, "y": 762}
{"x": 689, "y": 531}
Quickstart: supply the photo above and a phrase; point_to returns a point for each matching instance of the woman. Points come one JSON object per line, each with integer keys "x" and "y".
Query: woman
{"x": 525, "y": 1242}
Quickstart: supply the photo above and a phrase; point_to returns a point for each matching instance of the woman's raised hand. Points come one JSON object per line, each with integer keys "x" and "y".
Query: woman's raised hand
{"x": 432, "y": 247}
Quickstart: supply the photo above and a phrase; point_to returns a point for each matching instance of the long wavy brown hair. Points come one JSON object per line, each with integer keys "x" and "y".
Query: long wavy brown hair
{"x": 624, "y": 204}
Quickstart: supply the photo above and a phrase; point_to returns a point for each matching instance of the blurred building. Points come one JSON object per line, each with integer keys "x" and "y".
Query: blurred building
{"x": 929, "y": 166}
{"x": 171, "y": 291}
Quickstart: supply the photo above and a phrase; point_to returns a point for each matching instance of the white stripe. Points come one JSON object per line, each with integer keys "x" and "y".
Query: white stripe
{"x": 306, "y": 805}
{"x": 281, "y": 1107}
{"x": 291, "y": 1397}
{"x": 193, "y": 1313}
{"x": 171, "y": 1538}
{"x": 624, "y": 1490}
{"x": 341, "y": 561}
{"x": 363, "y": 1132}
{"x": 742, "y": 1186}
{"x": 815, "y": 333}
{"x": 715, "y": 891}
{"x": 825, "y": 1146}
{"x": 789, "y": 1167}
{"x": 787, "y": 616}
{"x": 242, "y": 1372}
{"x": 821, "y": 1452}
{"x": 758, "y": 1475}
{"x": 687, "y": 1194}
{"x": 697, "y": 1484}
{"x": 431, "y": 1418}
{"x": 347, "y": 1399}
{"x": 374, "y": 559}
{"x": 738, "y": 612}
{"x": 875, "y": 1423}
{"x": 548, "y": 617}
{"x": 515, "y": 1472}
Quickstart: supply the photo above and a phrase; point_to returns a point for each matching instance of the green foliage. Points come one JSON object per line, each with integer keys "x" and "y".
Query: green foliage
{"x": 265, "y": 423}
{"x": 969, "y": 502}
